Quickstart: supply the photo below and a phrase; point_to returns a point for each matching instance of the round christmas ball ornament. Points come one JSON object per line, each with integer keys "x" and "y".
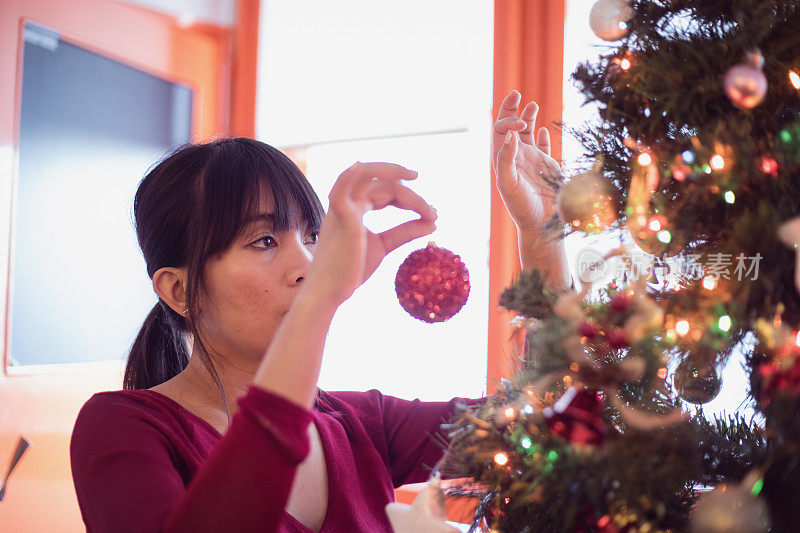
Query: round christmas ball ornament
{"x": 609, "y": 19}
{"x": 696, "y": 384}
{"x": 745, "y": 83}
{"x": 730, "y": 508}
{"x": 586, "y": 202}
{"x": 577, "y": 417}
{"x": 432, "y": 284}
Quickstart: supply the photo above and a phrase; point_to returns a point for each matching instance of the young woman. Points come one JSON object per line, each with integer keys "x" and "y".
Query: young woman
{"x": 213, "y": 431}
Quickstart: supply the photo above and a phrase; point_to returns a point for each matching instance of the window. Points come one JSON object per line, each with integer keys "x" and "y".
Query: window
{"x": 89, "y": 128}
{"x": 408, "y": 83}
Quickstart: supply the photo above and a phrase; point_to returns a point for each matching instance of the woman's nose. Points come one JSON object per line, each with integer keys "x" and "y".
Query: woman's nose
{"x": 299, "y": 261}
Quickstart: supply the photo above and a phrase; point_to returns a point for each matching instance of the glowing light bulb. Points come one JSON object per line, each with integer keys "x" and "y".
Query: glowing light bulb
{"x": 682, "y": 327}
{"x": 528, "y": 409}
{"x": 662, "y": 373}
{"x": 794, "y": 78}
{"x": 525, "y": 442}
{"x": 510, "y": 413}
{"x": 688, "y": 157}
{"x": 625, "y": 64}
{"x": 730, "y": 197}
{"x": 724, "y": 323}
{"x": 679, "y": 174}
{"x": 797, "y": 338}
{"x": 645, "y": 159}
{"x": 501, "y": 458}
{"x": 717, "y": 162}
{"x": 710, "y": 283}
{"x": 664, "y": 236}
{"x": 769, "y": 166}
{"x": 655, "y": 224}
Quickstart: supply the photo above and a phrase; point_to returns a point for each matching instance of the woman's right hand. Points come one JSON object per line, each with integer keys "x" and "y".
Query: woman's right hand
{"x": 347, "y": 253}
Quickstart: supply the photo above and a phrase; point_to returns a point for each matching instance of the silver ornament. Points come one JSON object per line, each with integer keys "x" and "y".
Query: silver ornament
{"x": 609, "y": 19}
{"x": 745, "y": 85}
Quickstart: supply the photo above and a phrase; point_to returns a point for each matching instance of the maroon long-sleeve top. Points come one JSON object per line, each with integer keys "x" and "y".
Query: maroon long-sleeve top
{"x": 143, "y": 463}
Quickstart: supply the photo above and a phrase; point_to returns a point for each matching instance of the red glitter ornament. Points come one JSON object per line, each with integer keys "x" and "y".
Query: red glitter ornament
{"x": 576, "y": 416}
{"x": 432, "y": 284}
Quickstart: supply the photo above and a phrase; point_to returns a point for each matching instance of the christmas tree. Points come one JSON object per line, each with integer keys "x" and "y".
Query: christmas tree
{"x": 696, "y": 156}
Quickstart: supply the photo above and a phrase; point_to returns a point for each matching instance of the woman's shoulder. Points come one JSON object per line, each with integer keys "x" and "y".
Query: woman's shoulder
{"x": 138, "y": 413}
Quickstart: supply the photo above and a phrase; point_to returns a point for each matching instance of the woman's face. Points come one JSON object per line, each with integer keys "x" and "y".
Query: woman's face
{"x": 251, "y": 285}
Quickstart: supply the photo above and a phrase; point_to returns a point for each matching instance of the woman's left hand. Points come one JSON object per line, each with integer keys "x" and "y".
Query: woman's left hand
{"x": 519, "y": 163}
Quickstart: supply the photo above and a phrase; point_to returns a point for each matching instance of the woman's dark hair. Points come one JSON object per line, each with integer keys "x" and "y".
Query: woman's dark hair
{"x": 189, "y": 208}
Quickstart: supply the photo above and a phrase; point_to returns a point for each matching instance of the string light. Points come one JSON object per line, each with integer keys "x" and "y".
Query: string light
{"x": 688, "y": 157}
{"x": 725, "y": 323}
{"x": 510, "y": 413}
{"x": 679, "y": 174}
{"x": 730, "y": 197}
{"x": 769, "y": 166}
{"x": 525, "y": 442}
{"x": 645, "y": 159}
{"x": 664, "y": 236}
{"x": 528, "y": 409}
{"x": 662, "y": 373}
{"x": 625, "y": 64}
{"x": 655, "y": 224}
{"x": 797, "y": 338}
{"x": 710, "y": 283}
{"x": 682, "y": 327}
{"x": 794, "y": 78}
{"x": 717, "y": 162}
{"x": 501, "y": 459}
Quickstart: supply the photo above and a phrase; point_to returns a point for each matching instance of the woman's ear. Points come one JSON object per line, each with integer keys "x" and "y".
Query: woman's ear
{"x": 170, "y": 285}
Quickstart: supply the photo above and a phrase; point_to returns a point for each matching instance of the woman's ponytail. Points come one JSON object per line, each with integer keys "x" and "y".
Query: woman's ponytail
{"x": 159, "y": 351}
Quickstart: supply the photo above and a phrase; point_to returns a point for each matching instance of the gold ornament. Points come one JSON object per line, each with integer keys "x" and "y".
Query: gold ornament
{"x": 586, "y": 202}
{"x": 789, "y": 234}
{"x": 731, "y": 508}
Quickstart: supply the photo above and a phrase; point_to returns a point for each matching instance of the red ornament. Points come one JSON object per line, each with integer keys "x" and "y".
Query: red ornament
{"x": 432, "y": 284}
{"x": 617, "y": 338}
{"x": 620, "y": 302}
{"x": 576, "y": 417}
{"x": 588, "y": 329}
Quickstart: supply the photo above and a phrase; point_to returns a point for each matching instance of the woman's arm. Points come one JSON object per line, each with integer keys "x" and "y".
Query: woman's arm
{"x": 346, "y": 255}
{"x": 523, "y": 167}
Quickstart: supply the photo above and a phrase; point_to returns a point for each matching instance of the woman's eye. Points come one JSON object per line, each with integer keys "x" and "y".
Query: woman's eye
{"x": 312, "y": 238}
{"x": 266, "y": 242}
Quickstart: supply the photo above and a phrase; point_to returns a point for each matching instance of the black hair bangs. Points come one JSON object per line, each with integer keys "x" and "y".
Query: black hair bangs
{"x": 236, "y": 178}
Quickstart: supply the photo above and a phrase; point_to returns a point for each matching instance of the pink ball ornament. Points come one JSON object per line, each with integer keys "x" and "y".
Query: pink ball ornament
{"x": 745, "y": 85}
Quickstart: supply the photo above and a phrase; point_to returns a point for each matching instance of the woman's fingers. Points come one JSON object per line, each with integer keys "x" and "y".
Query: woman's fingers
{"x": 506, "y": 165}
{"x": 529, "y": 114}
{"x": 382, "y": 194}
{"x": 406, "y": 232}
{"x": 508, "y": 109}
{"x": 358, "y": 176}
{"x": 543, "y": 140}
